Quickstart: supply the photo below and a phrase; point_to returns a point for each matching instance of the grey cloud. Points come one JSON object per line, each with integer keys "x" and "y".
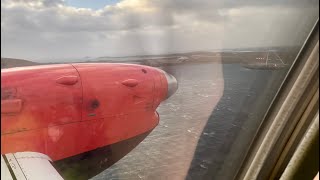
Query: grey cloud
{"x": 183, "y": 5}
{"x": 45, "y": 2}
{"x": 207, "y": 9}
{"x": 62, "y": 20}
{"x": 51, "y": 31}
{"x": 50, "y": 3}
{"x": 50, "y": 18}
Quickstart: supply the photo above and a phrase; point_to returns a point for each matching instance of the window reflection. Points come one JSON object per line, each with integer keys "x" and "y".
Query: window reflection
{"x": 229, "y": 59}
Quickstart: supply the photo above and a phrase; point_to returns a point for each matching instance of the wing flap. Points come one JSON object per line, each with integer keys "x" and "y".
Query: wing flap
{"x": 31, "y": 165}
{"x": 5, "y": 173}
{"x": 14, "y": 165}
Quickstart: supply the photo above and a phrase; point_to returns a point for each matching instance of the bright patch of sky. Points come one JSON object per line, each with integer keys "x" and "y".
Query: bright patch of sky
{"x": 92, "y": 4}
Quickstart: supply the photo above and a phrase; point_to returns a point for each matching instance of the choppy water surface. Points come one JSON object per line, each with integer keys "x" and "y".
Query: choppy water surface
{"x": 201, "y": 126}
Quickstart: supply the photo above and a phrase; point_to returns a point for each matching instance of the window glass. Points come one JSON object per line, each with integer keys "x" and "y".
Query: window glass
{"x": 228, "y": 57}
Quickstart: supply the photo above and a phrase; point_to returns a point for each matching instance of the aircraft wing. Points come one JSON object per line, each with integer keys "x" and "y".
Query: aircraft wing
{"x": 28, "y": 166}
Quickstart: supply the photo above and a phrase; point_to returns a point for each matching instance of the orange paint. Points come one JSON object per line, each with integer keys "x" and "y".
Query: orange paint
{"x": 64, "y": 110}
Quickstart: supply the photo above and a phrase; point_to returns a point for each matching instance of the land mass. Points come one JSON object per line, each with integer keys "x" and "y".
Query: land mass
{"x": 247, "y": 58}
{"x": 10, "y": 62}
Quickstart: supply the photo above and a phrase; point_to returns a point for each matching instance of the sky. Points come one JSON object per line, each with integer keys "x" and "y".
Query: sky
{"x": 92, "y": 4}
{"x": 49, "y": 30}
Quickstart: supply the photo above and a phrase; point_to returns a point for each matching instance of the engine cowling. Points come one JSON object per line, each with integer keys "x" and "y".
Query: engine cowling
{"x": 63, "y": 110}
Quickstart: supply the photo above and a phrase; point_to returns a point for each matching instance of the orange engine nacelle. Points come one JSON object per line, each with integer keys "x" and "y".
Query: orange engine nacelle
{"x": 64, "y": 110}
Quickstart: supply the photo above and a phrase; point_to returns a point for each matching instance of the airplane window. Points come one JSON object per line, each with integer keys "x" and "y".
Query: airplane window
{"x": 149, "y": 89}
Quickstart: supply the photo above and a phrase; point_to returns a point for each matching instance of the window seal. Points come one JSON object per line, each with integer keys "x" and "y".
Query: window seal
{"x": 260, "y": 160}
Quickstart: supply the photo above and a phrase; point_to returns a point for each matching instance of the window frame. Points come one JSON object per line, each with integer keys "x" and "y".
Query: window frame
{"x": 270, "y": 150}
